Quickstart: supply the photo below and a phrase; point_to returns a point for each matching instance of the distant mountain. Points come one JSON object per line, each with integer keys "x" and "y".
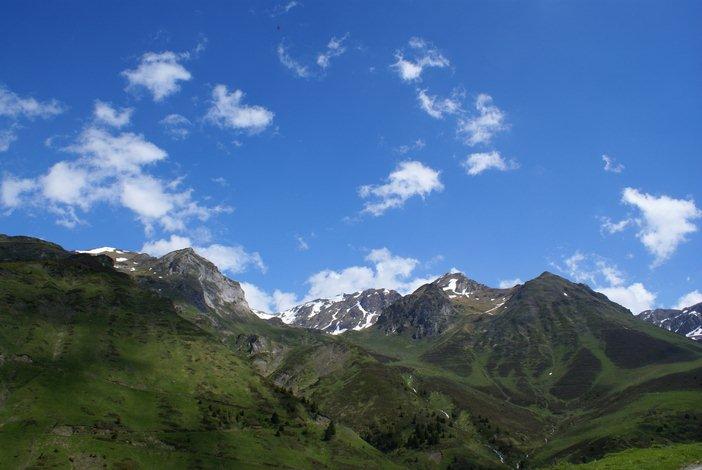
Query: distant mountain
{"x": 341, "y": 313}
{"x": 686, "y": 322}
{"x": 186, "y": 277}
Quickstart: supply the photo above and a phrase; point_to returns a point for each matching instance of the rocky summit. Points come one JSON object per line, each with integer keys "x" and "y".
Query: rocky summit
{"x": 686, "y": 322}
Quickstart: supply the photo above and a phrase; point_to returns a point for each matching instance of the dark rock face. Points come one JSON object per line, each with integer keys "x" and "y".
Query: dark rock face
{"x": 344, "y": 312}
{"x": 428, "y": 311}
{"x": 686, "y": 322}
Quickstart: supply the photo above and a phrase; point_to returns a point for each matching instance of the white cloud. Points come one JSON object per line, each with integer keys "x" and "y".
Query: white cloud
{"x": 614, "y": 227}
{"x": 12, "y": 189}
{"x": 291, "y": 64}
{"x": 424, "y": 56}
{"x": 482, "y": 128}
{"x": 109, "y": 169}
{"x": 232, "y": 259}
{"x": 160, "y": 73}
{"x": 228, "y": 111}
{"x": 14, "y": 106}
{"x": 7, "y": 136}
{"x": 609, "y": 280}
{"x": 507, "y": 283}
{"x": 166, "y": 245}
{"x": 665, "y": 222}
{"x": 437, "y": 107}
{"x": 635, "y": 297}
{"x": 124, "y": 152}
{"x": 105, "y": 113}
{"x": 177, "y": 126}
{"x": 387, "y": 271}
{"x": 611, "y": 165}
{"x": 335, "y": 48}
{"x": 410, "y": 178}
{"x": 689, "y": 299}
{"x": 302, "y": 244}
{"x": 262, "y": 301}
{"x": 476, "y": 163}
{"x": 283, "y": 8}
{"x": 404, "y": 149}
{"x": 65, "y": 183}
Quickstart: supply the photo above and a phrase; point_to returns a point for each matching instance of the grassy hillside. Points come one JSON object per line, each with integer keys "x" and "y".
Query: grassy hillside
{"x": 95, "y": 371}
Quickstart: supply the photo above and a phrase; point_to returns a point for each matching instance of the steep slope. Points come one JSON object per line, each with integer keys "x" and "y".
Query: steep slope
{"x": 686, "y": 322}
{"x": 344, "y": 312}
{"x": 428, "y": 311}
{"x": 188, "y": 279}
{"x": 96, "y": 371}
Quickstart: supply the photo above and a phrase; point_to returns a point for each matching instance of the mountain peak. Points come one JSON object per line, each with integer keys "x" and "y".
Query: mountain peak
{"x": 344, "y": 312}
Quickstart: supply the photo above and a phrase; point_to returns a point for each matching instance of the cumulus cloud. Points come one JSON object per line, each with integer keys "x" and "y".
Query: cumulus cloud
{"x": 477, "y": 163}
{"x": 12, "y": 190}
{"x": 106, "y": 114}
{"x": 635, "y": 297}
{"x": 160, "y": 73}
{"x": 689, "y": 299}
{"x": 335, "y": 47}
{"x": 232, "y": 259}
{"x": 508, "y": 283}
{"x": 15, "y": 107}
{"x": 228, "y": 111}
{"x": 177, "y": 126}
{"x": 301, "y": 71}
{"x": 608, "y": 279}
{"x": 611, "y": 166}
{"x": 481, "y": 128}
{"x": 262, "y": 301}
{"x": 665, "y": 222}
{"x": 423, "y": 56}
{"x": 409, "y": 179}
{"x": 108, "y": 169}
{"x": 437, "y": 107}
{"x": 385, "y": 270}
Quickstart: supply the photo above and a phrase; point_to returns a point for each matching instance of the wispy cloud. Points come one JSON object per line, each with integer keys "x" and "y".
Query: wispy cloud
{"x": 422, "y": 56}
{"x": 477, "y": 163}
{"x": 481, "y": 128}
{"x": 611, "y": 166}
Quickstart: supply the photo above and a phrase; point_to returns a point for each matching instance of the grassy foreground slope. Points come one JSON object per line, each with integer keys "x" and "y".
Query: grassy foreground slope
{"x": 95, "y": 372}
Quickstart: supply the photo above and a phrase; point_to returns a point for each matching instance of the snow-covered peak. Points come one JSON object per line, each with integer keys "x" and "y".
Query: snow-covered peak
{"x": 101, "y": 250}
{"x": 341, "y": 313}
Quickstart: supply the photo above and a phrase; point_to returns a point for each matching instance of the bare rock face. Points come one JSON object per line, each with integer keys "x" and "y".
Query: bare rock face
{"x": 344, "y": 312}
{"x": 184, "y": 276}
{"x": 686, "y": 322}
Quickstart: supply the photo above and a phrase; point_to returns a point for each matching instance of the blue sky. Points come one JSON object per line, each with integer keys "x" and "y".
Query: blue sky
{"x": 311, "y": 148}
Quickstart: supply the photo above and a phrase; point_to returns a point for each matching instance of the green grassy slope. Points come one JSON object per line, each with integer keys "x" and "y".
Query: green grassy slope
{"x": 95, "y": 371}
{"x": 558, "y": 373}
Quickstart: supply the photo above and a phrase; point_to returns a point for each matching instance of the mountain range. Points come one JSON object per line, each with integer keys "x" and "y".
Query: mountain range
{"x": 119, "y": 359}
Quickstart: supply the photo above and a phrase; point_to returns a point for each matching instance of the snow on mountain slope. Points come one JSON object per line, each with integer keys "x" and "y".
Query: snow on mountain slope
{"x": 341, "y": 313}
{"x": 686, "y": 322}
{"x": 470, "y": 293}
